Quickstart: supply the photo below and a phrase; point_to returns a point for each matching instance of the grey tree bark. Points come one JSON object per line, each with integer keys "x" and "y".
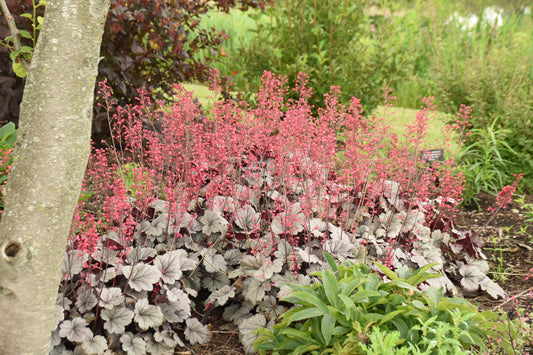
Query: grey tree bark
{"x": 48, "y": 168}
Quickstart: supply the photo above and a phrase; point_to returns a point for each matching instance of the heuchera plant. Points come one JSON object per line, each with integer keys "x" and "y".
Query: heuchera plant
{"x": 228, "y": 207}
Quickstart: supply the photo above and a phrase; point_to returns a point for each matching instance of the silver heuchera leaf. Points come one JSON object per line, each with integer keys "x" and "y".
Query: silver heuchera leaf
{"x": 59, "y": 315}
{"x": 392, "y": 223}
{"x": 116, "y": 319}
{"x": 214, "y": 281}
{"x": 222, "y": 295}
{"x": 94, "y": 345}
{"x": 233, "y": 256}
{"x": 133, "y": 345}
{"x": 196, "y": 332}
{"x": 247, "y": 329}
{"x": 141, "y": 277}
{"x": 268, "y": 268}
{"x": 269, "y": 306}
{"x": 289, "y": 222}
{"x": 492, "y": 288}
{"x": 168, "y": 337}
{"x": 75, "y": 330}
{"x": 254, "y": 290}
{"x": 73, "y": 263}
{"x": 140, "y": 253}
{"x": 223, "y": 204}
{"x": 156, "y": 348}
{"x": 212, "y": 223}
{"x": 317, "y": 227}
{"x": 110, "y": 297}
{"x": 411, "y": 220}
{"x": 284, "y": 251}
{"x": 86, "y": 300}
{"x": 247, "y": 219}
{"x": 472, "y": 277}
{"x": 172, "y": 264}
{"x": 177, "y": 297}
{"x": 214, "y": 262}
{"x": 146, "y": 315}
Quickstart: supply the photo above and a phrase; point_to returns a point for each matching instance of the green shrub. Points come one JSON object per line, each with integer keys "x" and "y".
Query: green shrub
{"x": 484, "y": 161}
{"x": 333, "y": 41}
{"x": 345, "y": 313}
{"x": 490, "y": 68}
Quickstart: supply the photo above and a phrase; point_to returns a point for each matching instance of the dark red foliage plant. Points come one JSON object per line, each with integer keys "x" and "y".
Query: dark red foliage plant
{"x": 146, "y": 43}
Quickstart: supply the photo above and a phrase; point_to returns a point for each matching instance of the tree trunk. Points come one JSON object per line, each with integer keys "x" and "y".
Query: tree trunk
{"x": 48, "y": 168}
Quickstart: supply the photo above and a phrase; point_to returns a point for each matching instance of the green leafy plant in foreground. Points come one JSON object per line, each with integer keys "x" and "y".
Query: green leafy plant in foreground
{"x": 345, "y": 313}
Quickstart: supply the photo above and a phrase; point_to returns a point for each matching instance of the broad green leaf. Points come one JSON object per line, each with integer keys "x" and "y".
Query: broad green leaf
{"x": 390, "y": 316}
{"x": 28, "y": 16}
{"x": 331, "y": 262}
{"x": 348, "y": 288}
{"x": 363, "y": 295}
{"x": 85, "y": 196}
{"x": 307, "y": 298}
{"x": 14, "y": 55}
{"x": 327, "y": 325}
{"x": 350, "y": 306}
{"x": 19, "y": 70}
{"x": 298, "y": 334}
{"x": 305, "y": 349}
{"x": 401, "y": 326}
{"x": 300, "y": 313}
{"x": 415, "y": 280}
{"x": 390, "y": 274}
{"x": 331, "y": 288}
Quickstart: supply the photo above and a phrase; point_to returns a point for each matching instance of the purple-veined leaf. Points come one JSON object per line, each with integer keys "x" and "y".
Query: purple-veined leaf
{"x": 196, "y": 332}
{"x": 110, "y": 297}
{"x": 133, "y": 345}
{"x": 172, "y": 265}
{"x": 141, "y": 276}
{"x": 86, "y": 300}
{"x": 146, "y": 315}
{"x": 116, "y": 319}
{"x": 94, "y": 345}
{"x": 75, "y": 330}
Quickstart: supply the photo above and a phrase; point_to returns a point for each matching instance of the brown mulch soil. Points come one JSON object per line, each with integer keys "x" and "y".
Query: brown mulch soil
{"x": 505, "y": 238}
